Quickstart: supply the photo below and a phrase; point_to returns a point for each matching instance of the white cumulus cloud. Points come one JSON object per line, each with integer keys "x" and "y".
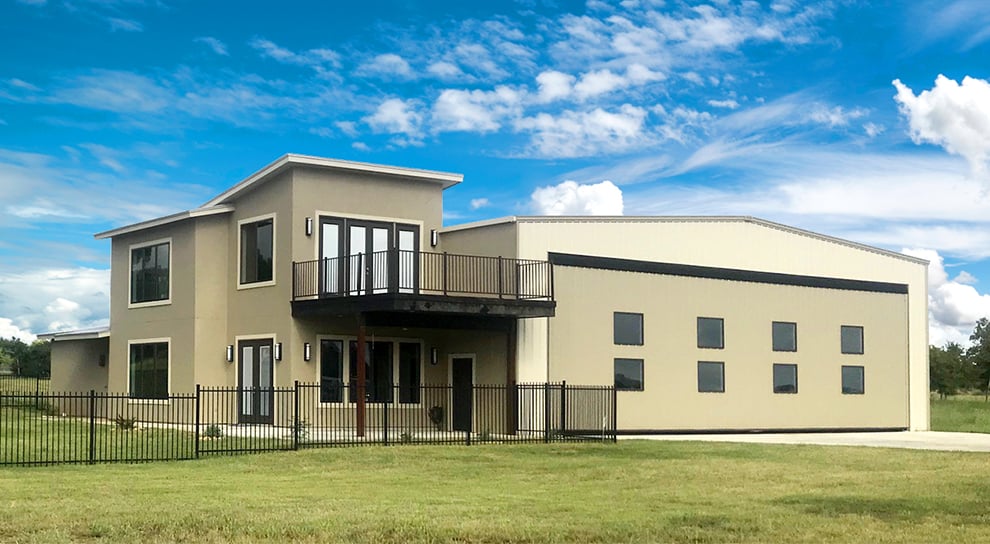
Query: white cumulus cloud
{"x": 954, "y": 306}
{"x": 584, "y": 133}
{"x": 395, "y": 116}
{"x": 9, "y": 330}
{"x": 952, "y": 115}
{"x": 571, "y": 198}
{"x": 388, "y": 65}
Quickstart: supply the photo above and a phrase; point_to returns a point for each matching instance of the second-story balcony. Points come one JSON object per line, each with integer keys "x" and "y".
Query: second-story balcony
{"x": 417, "y": 281}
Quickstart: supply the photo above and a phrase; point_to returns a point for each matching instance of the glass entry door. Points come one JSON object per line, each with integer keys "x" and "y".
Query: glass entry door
{"x": 255, "y": 382}
{"x": 359, "y": 257}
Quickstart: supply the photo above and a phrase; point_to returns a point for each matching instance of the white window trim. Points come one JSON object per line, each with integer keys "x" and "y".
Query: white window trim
{"x": 240, "y": 284}
{"x": 395, "y": 340}
{"x": 130, "y": 273}
{"x": 165, "y": 340}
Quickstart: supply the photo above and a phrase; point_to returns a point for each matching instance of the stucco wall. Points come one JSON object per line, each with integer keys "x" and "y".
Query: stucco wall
{"x": 76, "y": 365}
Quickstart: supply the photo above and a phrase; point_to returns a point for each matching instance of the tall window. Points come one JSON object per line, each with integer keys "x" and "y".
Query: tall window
{"x": 257, "y": 251}
{"x": 149, "y": 371}
{"x": 409, "y": 368}
{"x": 785, "y": 378}
{"x": 784, "y": 336}
{"x": 628, "y": 374}
{"x": 377, "y": 371}
{"x": 627, "y": 328}
{"x": 853, "y": 380}
{"x": 852, "y": 339}
{"x": 711, "y": 377}
{"x": 149, "y": 273}
{"x": 711, "y": 333}
{"x": 331, "y": 371}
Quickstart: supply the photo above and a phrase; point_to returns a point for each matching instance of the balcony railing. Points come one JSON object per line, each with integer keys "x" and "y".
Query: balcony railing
{"x": 423, "y": 273}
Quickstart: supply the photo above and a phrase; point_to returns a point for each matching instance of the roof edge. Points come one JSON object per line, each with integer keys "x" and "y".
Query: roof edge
{"x": 159, "y": 221}
{"x": 81, "y": 334}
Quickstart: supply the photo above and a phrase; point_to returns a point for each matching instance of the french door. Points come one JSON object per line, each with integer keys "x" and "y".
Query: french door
{"x": 356, "y": 258}
{"x": 255, "y": 377}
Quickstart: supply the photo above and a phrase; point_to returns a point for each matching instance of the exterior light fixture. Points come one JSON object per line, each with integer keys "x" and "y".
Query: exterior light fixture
{"x": 230, "y": 354}
{"x": 278, "y": 351}
{"x": 434, "y": 238}
{"x": 434, "y": 356}
{"x": 309, "y": 226}
{"x": 307, "y": 352}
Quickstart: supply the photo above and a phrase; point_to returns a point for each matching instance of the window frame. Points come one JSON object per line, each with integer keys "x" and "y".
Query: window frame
{"x": 130, "y": 274}
{"x": 642, "y": 374}
{"x": 615, "y": 330}
{"x": 774, "y": 378}
{"x": 862, "y": 380}
{"x": 396, "y": 367}
{"x": 343, "y": 368}
{"x": 721, "y": 365}
{"x": 240, "y": 256}
{"x": 168, "y": 369}
{"x": 862, "y": 339}
{"x": 773, "y": 337}
{"x": 721, "y": 321}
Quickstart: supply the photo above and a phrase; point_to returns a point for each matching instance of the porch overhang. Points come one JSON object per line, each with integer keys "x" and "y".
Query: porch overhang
{"x": 424, "y": 305}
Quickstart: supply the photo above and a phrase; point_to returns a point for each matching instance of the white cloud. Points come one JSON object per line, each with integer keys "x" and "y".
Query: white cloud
{"x": 873, "y": 130}
{"x": 444, "y": 70}
{"x": 478, "y": 203}
{"x": 475, "y": 111}
{"x": 554, "y": 85}
{"x": 570, "y": 198}
{"x": 9, "y": 330}
{"x": 347, "y": 127}
{"x": 124, "y": 25}
{"x": 598, "y": 82}
{"x": 388, "y": 65}
{"x": 727, "y": 104}
{"x": 321, "y": 60}
{"x": 32, "y": 3}
{"x": 577, "y": 134}
{"x": 954, "y": 307}
{"x": 360, "y": 146}
{"x": 954, "y": 116}
{"x": 395, "y": 116}
{"x": 216, "y": 45}
{"x": 49, "y": 300}
{"x": 836, "y": 116}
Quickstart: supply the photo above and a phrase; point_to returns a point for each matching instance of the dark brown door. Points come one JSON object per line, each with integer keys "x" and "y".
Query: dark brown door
{"x": 256, "y": 395}
{"x": 462, "y": 383}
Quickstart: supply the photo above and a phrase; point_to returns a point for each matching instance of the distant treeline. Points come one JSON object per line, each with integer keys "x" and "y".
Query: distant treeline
{"x": 21, "y": 359}
{"x": 954, "y": 369}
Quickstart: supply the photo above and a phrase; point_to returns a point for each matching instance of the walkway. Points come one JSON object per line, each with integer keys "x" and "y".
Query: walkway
{"x": 917, "y": 440}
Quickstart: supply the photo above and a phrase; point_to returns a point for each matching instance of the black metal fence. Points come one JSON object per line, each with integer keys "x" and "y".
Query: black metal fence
{"x": 422, "y": 272}
{"x": 40, "y": 427}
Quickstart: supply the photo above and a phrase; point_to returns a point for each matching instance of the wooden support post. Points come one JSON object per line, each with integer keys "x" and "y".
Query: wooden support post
{"x": 512, "y": 393}
{"x": 361, "y": 362}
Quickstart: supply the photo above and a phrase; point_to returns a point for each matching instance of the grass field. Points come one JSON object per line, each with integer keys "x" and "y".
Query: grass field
{"x": 961, "y": 413}
{"x": 628, "y": 492}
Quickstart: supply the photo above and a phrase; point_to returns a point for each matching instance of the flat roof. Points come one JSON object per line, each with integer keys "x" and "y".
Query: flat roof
{"x": 678, "y": 219}
{"x": 78, "y": 334}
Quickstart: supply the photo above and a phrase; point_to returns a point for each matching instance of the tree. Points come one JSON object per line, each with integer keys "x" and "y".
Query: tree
{"x": 32, "y": 360}
{"x": 979, "y": 354}
{"x": 949, "y": 369}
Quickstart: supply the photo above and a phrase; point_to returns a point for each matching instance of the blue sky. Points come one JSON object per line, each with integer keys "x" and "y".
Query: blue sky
{"x": 867, "y": 121}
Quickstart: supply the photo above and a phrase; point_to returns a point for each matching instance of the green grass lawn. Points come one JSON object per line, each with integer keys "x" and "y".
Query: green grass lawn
{"x": 962, "y": 413}
{"x": 628, "y": 492}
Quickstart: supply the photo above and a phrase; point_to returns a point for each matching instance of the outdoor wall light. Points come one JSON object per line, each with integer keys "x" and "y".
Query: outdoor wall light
{"x": 307, "y": 352}
{"x": 309, "y": 226}
{"x": 434, "y": 356}
{"x": 434, "y": 238}
{"x": 230, "y": 354}
{"x": 278, "y": 351}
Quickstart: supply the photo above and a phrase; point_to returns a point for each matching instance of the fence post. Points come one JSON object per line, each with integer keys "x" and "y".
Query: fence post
{"x": 500, "y": 288}
{"x": 615, "y": 417}
{"x": 197, "y": 420}
{"x": 443, "y": 273}
{"x": 37, "y": 391}
{"x": 92, "y": 426}
{"x": 385, "y": 406}
{"x": 546, "y": 411}
{"x": 296, "y": 423}
{"x": 563, "y": 407}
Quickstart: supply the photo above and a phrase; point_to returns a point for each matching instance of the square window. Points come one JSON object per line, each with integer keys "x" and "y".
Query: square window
{"x": 852, "y": 339}
{"x": 628, "y": 374}
{"x": 257, "y": 251}
{"x": 627, "y": 328}
{"x": 784, "y": 336}
{"x": 711, "y": 333}
{"x": 711, "y": 377}
{"x": 148, "y": 368}
{"x": 150, "y": 273}
{"x": 853, "y": 380}
{"x": 785, "y": 378}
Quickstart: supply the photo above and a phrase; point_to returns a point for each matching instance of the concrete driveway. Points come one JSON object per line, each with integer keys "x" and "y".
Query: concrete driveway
{"x": 916, "y": 440}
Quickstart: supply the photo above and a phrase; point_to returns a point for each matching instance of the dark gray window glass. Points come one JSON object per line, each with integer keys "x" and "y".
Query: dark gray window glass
{"x": 331, "y": 371}
{"x": 711, "y": 333}
{"x": 711, "y": 377}
{"x": 149, "y": 273}
{"x": 149, "y": 371}
{"x": 785, "y": 378}
{"x": 628, "y": 374}
{"x": 853, "y": 380}
{"x": 409, "y": 366}
{"x": 627, "y": 328}
{"x": 257, "y": 251}
{"x": 852, "y": 339}
{"x": 784, "y": 336}
{"x": 377, "y": 371}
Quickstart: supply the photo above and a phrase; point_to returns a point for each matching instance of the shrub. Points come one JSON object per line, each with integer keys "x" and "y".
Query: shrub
{"x": 213, "y": 431}
{"x": 406, "y": 437}
{"x": 301, "y": 428}
{"x": 125, "y": 423}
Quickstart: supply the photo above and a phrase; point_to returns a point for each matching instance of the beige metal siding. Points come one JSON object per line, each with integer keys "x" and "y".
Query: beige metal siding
{"x": 583, "y": 351}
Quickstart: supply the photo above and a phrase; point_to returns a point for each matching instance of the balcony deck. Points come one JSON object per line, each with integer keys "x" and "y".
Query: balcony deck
{"x": 418, "y": 282}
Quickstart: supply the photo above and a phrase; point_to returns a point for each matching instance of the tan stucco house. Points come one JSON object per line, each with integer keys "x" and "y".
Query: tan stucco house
{"x": 701, "y": 323}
